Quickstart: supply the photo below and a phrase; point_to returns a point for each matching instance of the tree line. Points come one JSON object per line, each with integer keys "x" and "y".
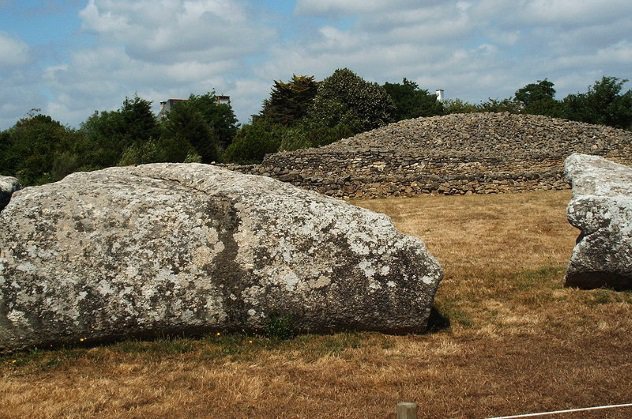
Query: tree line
{"x": 298, "y": 113}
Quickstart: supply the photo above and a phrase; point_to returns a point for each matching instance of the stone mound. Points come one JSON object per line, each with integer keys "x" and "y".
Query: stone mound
{"x": 177, "y": 248}
{"x": 453, "y": 154}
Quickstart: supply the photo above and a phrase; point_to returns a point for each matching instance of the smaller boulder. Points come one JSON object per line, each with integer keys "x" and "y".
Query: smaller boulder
{"x": 8, "y": 185}
{"x": 601, "y": 207}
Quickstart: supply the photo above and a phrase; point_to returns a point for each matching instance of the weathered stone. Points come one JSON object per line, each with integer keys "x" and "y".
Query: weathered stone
{"x": 8, "y": 185}
{"x": 188, "y": 247}
{"x": 601, "y": 208}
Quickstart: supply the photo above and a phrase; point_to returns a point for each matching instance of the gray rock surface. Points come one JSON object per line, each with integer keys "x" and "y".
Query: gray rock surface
{"x": 183, "y": 248}
{"x": 601, "y": 208}
{"x": 8, "y": 185}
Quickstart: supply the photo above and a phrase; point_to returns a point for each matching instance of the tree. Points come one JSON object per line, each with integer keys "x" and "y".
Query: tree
{"x": 305, "y": 135}
{"x": 451, "y": 106}
{"x": 346, "y": 99}
{"x": 219, "y": 116}
{"x": 253, "y": 141}
{"x": 156, "y": 151}
{"x": 185, "y": 124}
{"x": 289, "y": 101}
{"x": 294, "y": 138}
{"x": 112, "y": 132}
{"x": 498, "y": 105}
{"x": 103, "y": 131}
{"x": 603, "y": 103}
{"x": 139, "y": 124}
{"x": 8, "y": 160}
{"x": 38, "y": 149}
{"x": 411, "y": 101}
{"x": 539, "y": 99}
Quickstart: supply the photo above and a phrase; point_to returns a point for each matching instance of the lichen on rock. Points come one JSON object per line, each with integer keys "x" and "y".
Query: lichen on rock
{"x": 8, "y": 185}
{"x": 182, "y": 248}
{"x": 601, "y": 208}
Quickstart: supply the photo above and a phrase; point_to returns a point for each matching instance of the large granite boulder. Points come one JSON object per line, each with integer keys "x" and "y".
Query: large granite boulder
{"x": 187, "y": 248}
{"x": 601, "y": 208}
{"x": 8, "y": 185}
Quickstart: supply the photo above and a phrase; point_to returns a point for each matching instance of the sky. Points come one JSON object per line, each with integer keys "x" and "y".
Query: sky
{"x": 70, "y": 58}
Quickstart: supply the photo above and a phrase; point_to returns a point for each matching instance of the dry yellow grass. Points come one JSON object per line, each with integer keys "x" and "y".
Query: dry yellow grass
{"x": 518, "y": 342}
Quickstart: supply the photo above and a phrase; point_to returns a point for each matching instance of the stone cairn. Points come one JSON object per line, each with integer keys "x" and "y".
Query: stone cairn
{"x": 458, "y": 154}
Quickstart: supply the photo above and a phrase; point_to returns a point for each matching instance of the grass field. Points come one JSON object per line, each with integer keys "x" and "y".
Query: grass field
{"x": 518, "y": 341}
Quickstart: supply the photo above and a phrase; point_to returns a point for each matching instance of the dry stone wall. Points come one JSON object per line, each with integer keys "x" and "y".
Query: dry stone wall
{"x": 480, "y": 153}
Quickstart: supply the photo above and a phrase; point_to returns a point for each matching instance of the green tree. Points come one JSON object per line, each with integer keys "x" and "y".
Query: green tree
{"x": 139, "y": 124}
{"x": 411, "y": 101}
{"x": 499, "y": 105}
{"x": 103, "y": 131}
{"x": 8, "y": 160}
{"x": 539, "y": 99}
{"x": 253, "y": 141}
{"x": 305, "y": 135}
{"x": 490, "y": 105}
{"x": 451, "y": 106}
{"x": 603, "y": 103}
{"x": 70, "y": 157}
{"x": 38, "y": 149}
{"x": 289, "y": 101}
{"x": 186, "y": 125}
{"x": 295, "y": 138}
{"x": 219, "y": 116}
{"x": 346, "y": 99}
{"x": 110, "y": 133}
{"x": 156, "y": 151}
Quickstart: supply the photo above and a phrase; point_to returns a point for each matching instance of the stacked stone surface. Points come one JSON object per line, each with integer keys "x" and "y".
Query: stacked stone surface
{"x": 182, "y": 248}
{"x": 453, "y": 154}
{"x": 601, "y": 208}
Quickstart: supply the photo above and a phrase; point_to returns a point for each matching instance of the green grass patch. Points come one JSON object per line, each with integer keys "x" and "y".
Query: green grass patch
{"x": 280, "y": 326}
{"x": 603, "y": 296}
{"x": 162, "y": 346}
{"x": 453, "y": 312}
{"x": 42, "y": 360}
{"x": 547, "y": 277}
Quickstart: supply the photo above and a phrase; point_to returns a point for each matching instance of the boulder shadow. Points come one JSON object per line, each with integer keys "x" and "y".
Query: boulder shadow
{"x": 437, "y": 322}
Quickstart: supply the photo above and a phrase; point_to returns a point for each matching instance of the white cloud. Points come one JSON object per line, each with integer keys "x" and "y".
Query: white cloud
{"x": 247, "y": 95}
{"x": 176, "y": 30}
{"x": 13, "y": 52}
{"x": 573, "y": 12}
{"x": 619, "y": 53}
{"x": 323, "y": 7}
{"x": 474, "y": 49}
{"x": 101, "y": 78}
{"x": 18, "y": 96}
{"x": 157, "y": 49}
{"x": 20, "y": 92}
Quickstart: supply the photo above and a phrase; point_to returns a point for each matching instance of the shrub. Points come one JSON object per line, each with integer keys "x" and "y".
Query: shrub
{"x": 289, "y": 101}
{"x": 411, "y": 101}
{"x": 184, "y": 125}
{"x": 346, "y": 99}
{"x": 253, "y": 141}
